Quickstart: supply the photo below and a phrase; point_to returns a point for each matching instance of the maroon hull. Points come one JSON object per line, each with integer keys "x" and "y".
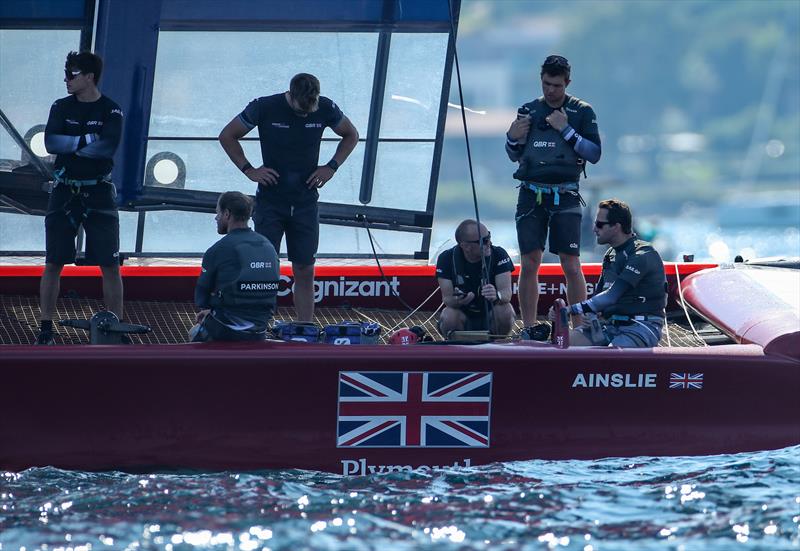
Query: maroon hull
{"x": 275, "y": 405}
{"x": 280, "y": 405}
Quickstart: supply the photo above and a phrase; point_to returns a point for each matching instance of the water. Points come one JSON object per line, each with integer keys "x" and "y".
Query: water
{"x": 748, "y": 501}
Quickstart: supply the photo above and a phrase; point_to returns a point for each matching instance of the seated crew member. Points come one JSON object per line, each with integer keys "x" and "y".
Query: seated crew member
{"x": 238, "y": 284}
{"x": 632, "y": 287}
{"x": 465, "y": 292}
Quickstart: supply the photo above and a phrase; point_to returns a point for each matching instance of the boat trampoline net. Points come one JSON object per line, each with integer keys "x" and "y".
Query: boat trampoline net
{"x": 171, "y": 321}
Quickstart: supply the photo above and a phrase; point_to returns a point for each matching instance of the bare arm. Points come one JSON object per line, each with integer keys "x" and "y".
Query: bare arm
{"x": 449, "y": 296}
{"x": 349, "y": 140}
{"x": 229, "y": 140}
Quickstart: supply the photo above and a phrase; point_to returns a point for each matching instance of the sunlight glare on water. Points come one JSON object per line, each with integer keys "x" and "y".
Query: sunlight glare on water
{"x": 714, "y": 502}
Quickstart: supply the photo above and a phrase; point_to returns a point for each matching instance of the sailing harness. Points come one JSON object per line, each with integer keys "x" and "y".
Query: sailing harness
{"x": 75, "y": 208}
{"x": 555, "y": 189}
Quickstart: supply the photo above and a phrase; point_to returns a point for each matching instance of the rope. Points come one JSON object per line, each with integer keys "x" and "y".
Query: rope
{"x": 484, "y": 267}
{"x": 685, "y": 309}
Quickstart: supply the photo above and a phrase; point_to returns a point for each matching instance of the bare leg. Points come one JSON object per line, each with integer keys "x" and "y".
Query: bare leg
{"x": 576, "y": 283}
{"x": 529, "y": 286}
{"x": 503, "y": 319}
{"x": 49, "y": 288}
{"x": 303, "y": 291}
{"x": 112, "y": 289}
{"x": 451, "y": 319}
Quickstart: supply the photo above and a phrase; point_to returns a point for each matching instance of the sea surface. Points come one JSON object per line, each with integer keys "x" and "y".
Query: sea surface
{"x": 744, "y": 501}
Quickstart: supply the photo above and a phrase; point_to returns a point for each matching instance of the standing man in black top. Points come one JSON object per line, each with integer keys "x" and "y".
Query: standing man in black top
{"x": 552, "y": 143}
{"x": 290, "y": 127}
{"x": 238, "y": 283}
{"x": 466, "y": 292}
{"x": 632, "y": 288}
{"x": 83, "y": 130}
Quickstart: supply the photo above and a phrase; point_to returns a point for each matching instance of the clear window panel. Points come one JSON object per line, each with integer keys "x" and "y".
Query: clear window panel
{"x": 345, "y": 185}
{"x": 402, "y": 175}
{"x": 172, "y": 231}
{"x": 208, "y": 168}
{"x": 128, "y": 222}
{"x": 32, "y": 76}
{"x": 21, "y": 232}
{"x": 204, "y": 79}
{"x": 334, "y": 240}
{"x": 187, "y": 232}
{"x": 413, "y": 85}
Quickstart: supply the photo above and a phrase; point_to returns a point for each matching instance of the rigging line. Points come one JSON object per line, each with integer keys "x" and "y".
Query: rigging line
{"x": 685, "y": 309}
{"x": 380, "y": 268}
{"x": 415, "y": 310}
{"x": 428, "y": 320}
{"x": 481, "y": 239}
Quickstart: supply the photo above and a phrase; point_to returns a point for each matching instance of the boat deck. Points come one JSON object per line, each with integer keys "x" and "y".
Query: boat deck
{"x": 171, "y": 321}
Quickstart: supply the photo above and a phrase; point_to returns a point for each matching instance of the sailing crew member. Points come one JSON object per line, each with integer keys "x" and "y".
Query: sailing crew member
{"x": 83, "y": 131}
{"x": 552, "y": 138}
{"x": 290, "y": 127}
{"x": 238, "y": 284}
{"x": 466, "y": 292}
{"x": 633, "y": 287}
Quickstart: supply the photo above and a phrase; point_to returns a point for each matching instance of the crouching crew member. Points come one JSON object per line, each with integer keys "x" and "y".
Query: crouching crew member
{"x": 238, "y": 284}
{"x": 633, "y": 287}
{"x": 465, "y": 292}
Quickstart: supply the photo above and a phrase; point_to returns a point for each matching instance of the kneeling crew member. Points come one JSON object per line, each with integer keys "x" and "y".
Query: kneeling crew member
{"x": 633, "y": 287}
{"x": 238, "y": 284}
{"x": 465, "y": 294}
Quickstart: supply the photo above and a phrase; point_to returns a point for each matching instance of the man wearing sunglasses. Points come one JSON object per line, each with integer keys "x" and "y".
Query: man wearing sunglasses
{"x": 551, "y": 144}
{"x": 290, "y": 126}
{"x": 466, "y": 292}
{"x": 632, "y": 288}
{"x": 83, "y": 131}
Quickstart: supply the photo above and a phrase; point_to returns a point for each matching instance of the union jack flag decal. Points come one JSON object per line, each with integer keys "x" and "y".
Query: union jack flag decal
{"x": 686, "y": 380}
{"x": 413, "y": 409}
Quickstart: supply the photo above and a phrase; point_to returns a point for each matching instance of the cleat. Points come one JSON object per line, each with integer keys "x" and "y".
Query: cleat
{"x": 45, "y": 338}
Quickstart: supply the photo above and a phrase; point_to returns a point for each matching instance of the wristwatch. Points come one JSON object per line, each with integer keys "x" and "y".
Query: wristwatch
{"x": 332, "y": 164}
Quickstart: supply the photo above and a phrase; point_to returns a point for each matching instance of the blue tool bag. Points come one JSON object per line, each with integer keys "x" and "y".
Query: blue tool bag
{"x": 352, "y": 332}
{"x": 296, "y": 331}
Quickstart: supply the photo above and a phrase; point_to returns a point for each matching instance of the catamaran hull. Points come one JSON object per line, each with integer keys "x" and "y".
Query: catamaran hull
{"x": 285, "y": 405}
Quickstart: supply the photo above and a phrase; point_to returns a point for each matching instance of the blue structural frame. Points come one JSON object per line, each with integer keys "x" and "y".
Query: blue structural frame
{"x": 126, "y": 36}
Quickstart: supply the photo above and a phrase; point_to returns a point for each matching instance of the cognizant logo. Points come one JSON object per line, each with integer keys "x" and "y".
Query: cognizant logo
{"x": 346, "y": 288}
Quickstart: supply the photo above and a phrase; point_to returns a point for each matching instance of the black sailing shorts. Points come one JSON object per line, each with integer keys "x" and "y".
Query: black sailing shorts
{"x": 300, "y": 223}
{"x": 94, "y": 208}
{"x": 563, "y": 221}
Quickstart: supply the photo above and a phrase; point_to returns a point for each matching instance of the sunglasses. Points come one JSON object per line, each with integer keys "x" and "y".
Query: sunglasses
{"x": 478, "y": 241}
{"x": 599, "y": 224}
{"x": 69, "y": 75}
{"x": 557, "y": 60}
